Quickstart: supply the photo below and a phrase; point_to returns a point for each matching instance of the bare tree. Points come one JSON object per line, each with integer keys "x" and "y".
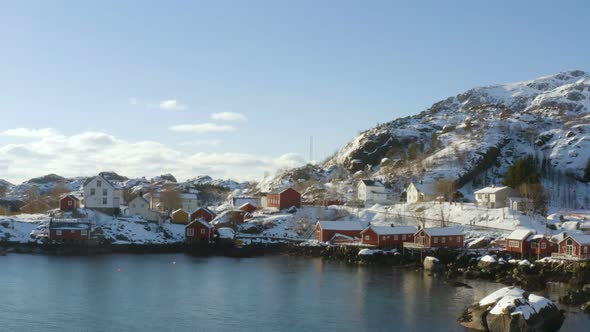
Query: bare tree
{"x": 535, "y": 198}
{"x": 170, "y": 198}
{"x": 419, "y": 216}
{"x": 56, "y": 194}
{"x": 444, "y": 188}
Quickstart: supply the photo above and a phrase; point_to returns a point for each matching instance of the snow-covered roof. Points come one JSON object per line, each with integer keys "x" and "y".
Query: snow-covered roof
{"x": 206, "y": 209}
{"x": 581, "y": 239}
{"x": 424, "y": 188}
{"x": 188, "y": 196}
{"x": 520, "y": 234}
{"x": 280, "y": 191}
{"x": 491, "y": 190}
{"x": 342, "y": 236}
{"x": 372, "y": 183}
{"x": 179, "y": 210}
{"x": 444, "y": 231}
{"x": 385, "y": 230}
{"x": 341, "y": 225}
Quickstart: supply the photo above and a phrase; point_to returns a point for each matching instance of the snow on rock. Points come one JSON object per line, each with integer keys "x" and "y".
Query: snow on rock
{"x": 488, "y": 259}
{"x": 226, "y": 233}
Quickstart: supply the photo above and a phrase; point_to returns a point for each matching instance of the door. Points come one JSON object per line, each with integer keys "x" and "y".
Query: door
{"x": 569, "y": 248}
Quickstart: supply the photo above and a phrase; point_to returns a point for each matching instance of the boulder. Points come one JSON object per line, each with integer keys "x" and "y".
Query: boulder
{"x": 487, "y": 261}
{"x": 432, "y": 264}
{"x": 512, "y": 309}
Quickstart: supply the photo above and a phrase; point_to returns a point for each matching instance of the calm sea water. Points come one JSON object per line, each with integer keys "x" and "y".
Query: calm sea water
{"x": 183, "y": 293}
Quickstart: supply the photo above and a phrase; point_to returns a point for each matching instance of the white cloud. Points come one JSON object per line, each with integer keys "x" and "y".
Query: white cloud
{"x": 229, "y": 116}
{"x": 88, "y": 153}
{"x": 202, "y": 142}
{"x": 26, "y": 132}
{"x": 202, "y": 128}
{"x": 172, "y": 105}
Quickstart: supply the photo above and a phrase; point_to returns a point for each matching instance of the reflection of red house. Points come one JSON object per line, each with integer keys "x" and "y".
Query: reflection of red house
{"x": 385, "y": 236}
{"x": 199, "y": 231}
{"x": 248, "y": 207}
{"x": 439, "y": 237}
{"x": 326, "y": 230}
{"x": 69, "y": 203}
{"x": 526, "y": 242}
{"x": 284, "y": 199}
{"x": 203, "y": 213}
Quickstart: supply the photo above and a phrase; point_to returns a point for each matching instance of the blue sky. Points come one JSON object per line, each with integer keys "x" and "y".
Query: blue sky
{"x": 97, "y": 74}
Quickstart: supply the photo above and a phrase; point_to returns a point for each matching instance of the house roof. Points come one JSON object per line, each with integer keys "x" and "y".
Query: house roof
{"x": 102, "y": 178}
{"x": 520, "y": 234}
{"x": 202, "y": 222}
{"x": 246, "y": 204}
{"x": 179, "y": 210}
{"x": 386, "y": 230}
{"x": 69, "y": 225}
{"x": 581, "y": 239}
{"x": 491, "y": 190}
{"x": 341, "y": 225}
{"x": 69, "y": 196}
{"x": 342, "y": 236}
{"x": 206, "y": 210}
{"x": 280, "y": 191}
{"x": 422, "y": 187}
{"x": 444, "y": 231}
{"x": 141, "y": 198}
{"x": 373, "y": 183}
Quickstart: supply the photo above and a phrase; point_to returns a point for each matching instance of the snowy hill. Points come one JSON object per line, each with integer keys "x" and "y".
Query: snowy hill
{"x": 473, "y": 138}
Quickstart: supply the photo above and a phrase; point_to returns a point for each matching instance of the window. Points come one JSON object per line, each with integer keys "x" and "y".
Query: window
{"x": 203, "y": 231}
{"x": 104, "y": 201}
{"x": 442, "y": 240}
{"x": 58, "y": 232}
{"x": 92, "y": 192}
{"x": 403, "y": 236}
{"x": 396, "y": 237}
{"x": 98, "y": 183}
{"x": 83, "y": 232}
{"x": 533, "y": 245}
{"x": 543, "y": 245}
{"x": 190, "y": 232}
{"x": 367, "y": 237}
{"x": 105, "y": 192}
{"x": 435, "y": 240}
{"x": 585, "y": 250}
{"x": 513, "y": 244}
{"x": 70, "y": 203}
{"x": 458, "y": 239}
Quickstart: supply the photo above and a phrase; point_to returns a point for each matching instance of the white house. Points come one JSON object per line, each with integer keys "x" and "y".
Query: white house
{"x": 99, "y": 193}
{"x": 140, "y": 206}
{"x": 493, "y": 197}
{"x": 418, "y": 192}
{"x": 374, "y": 192}
{"x": 188, "y": 201}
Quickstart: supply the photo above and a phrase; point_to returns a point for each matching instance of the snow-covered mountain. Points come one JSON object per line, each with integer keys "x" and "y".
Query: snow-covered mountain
{"x": 473, "y": 137}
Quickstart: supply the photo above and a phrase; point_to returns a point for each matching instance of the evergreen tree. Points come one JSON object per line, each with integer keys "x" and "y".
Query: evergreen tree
{"x": 522, "y": 171}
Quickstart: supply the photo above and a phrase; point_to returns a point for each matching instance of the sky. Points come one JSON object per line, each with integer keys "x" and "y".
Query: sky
{"x": 235, "y": 89}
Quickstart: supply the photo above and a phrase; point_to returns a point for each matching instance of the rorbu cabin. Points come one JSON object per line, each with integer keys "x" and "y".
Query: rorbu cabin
{"x": 387, "y": 236}
{"x": 69, "y": 203}
{"x": 574, "y": 248}
{"x": 179, "y": 217}
{"x": 284, "y": 199}
{"x": 199, "y": 231}
{"x": 437, "y": 237}
{"x": 526, "y": 242}
{"x": 68, "y": 231}
{"x": 326, "y": 230}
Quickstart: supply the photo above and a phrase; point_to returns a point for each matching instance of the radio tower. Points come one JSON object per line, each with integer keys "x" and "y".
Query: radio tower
{"x": 310, "y": 149}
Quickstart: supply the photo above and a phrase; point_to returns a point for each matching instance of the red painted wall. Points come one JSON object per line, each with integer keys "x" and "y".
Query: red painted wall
{"x": 68, "y": 203}
{"x": 285, "y": 200}
{"x": 67, "y": 234}
{"x": 203, "y": 214}
{"x": 385, "y": 240}
{"x": 197, "y": 235}
{"x": 326, "y": 235}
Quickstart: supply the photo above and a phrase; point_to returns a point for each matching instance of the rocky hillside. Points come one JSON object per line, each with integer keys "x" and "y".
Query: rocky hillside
{"x": 473, "y": 137}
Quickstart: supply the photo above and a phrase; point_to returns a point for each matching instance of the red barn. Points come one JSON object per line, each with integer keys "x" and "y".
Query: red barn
{"x": 203, "y": 213}
{"x": 68, "y": 231}
{"x": 526, "y": 242}
{"x": 199, "y": 231}
{"x": 439, "y": 237}
{"x": 387, "y": 236}
{"x": 575, "y": 248}
{"x": 69, "y": 203}
{"x": 284, "y": 199}
{"x": 326, "y": 230}
{"x": 248, "y": 207}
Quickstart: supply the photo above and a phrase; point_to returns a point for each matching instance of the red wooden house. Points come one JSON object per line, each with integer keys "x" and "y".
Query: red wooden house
{"x": 387, "y": 236}
{"x": 438, "y": 237}
{"x": 199, "y": 231}
{"x": 526, "y": 242}
{"x": 326, "y": 230}
{"x": 248, "y": 207}
{"x": 68, "y": 231}
{"x": 69, "y": 203}
{"x": 574, "y": 247}
{"x": 203, "y": 213}
{"x": 284, "y": 199}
